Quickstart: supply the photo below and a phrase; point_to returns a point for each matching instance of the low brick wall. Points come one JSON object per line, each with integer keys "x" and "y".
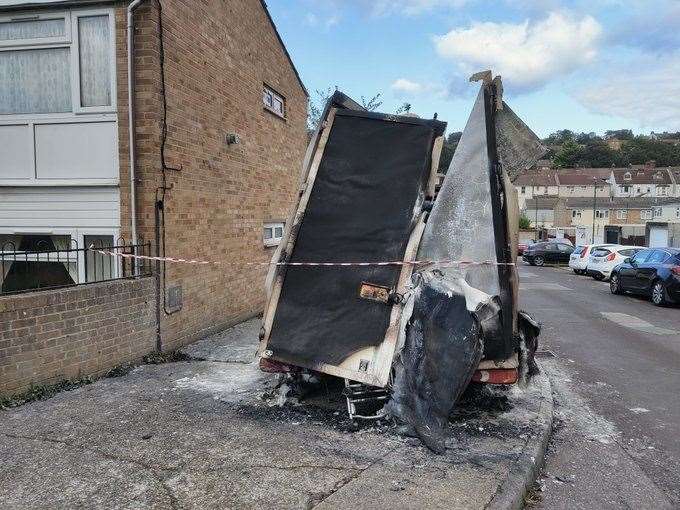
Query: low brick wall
{"x": 51, "y": 336}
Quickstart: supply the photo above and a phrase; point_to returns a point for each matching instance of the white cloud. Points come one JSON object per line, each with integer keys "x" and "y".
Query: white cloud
{"x": 647, "y": 91}
{"x": 405, "y": 88}
{"x": 528, "y": 54}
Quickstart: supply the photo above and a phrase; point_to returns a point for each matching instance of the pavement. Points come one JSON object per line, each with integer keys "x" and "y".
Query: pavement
{"x": 615, "y": 378}
{"x": 209, "y": 432}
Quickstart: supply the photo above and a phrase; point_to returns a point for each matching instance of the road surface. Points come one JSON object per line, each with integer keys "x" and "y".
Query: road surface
{"x": 616, "y": 382}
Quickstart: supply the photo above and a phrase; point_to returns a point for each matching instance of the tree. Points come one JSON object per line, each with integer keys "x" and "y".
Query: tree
{"x": 569, "y": 155}
{"x": 449, "y": 147}
{"x": 318, "y": 100}
{"x": 619, "y": 134}
{"x": 524, "y": 222}
{"x": 404, "y": 108}
{"x": 560, "y": 137}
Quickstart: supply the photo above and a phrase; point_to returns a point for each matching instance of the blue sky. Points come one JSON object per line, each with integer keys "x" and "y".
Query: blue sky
{"x": 585, "y": 65}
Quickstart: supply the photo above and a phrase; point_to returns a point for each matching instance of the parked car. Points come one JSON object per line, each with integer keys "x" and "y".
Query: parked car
{"x": 605, "y": 258}
{"x": 523, "y": 246}
{"x": 578, "y": 260}
{"x": 541, "y": 253}
{"x": 650, "y": 272}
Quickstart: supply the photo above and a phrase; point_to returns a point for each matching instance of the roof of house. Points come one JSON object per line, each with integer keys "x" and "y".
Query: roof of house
{"x": 544, "y": 202}
{"x": 642, "y": 175}
{"x": 13, "y": 4}
{"x": 619, "y": 202}
{"x": 537, "y": 178}
{"x": 638, "y": 174}
{"x": 550, "y": 201}
{"x": 582, "y": 176}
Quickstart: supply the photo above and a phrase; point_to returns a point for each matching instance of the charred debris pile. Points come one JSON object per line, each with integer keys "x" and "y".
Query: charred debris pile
{"x": 412, "y": 334}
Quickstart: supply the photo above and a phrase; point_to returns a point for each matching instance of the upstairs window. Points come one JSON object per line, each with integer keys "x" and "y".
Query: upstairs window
{"x": 646, "y": 214}
{"x": 60, "y": 62}
{"x": 621, "y": 214}
{"x": 524, "y": 190}
{"x": 627, "y": 176}
{"x": 658, "y": 212}
{"x": 274, "y": 102}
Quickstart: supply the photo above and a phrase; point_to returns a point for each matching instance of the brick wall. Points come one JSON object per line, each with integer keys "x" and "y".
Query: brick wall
{"x": 47, "y": 337}
{"x": 218, "y": 54}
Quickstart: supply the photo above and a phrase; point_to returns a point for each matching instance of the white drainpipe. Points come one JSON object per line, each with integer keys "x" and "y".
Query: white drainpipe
{"x": 131, "y": 115}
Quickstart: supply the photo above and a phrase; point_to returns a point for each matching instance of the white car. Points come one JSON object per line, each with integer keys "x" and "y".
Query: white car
{"x": 605, "y": 258}
{"x": 578, "y": 260}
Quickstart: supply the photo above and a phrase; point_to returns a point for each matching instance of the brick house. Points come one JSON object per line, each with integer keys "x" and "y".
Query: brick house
{"x": 219, "y": 115}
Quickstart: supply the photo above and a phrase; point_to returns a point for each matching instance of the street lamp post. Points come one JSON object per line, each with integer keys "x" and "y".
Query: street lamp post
{"x": 595, "y": 180}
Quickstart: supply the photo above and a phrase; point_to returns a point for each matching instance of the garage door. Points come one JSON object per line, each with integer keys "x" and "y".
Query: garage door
{"x": 658, "y": 237}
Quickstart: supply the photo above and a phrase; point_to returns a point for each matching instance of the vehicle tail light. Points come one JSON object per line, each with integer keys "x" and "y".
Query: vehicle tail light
{"x": 611, "y": 257}
{"x": 584, "y": 252}
{"x": 675, "y": 270}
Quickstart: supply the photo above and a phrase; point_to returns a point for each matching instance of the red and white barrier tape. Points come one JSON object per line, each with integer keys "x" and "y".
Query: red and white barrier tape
{"x": 309, "y": 264}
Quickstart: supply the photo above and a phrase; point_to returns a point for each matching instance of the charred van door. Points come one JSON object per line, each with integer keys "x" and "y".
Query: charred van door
{"x": 362, "y": 203}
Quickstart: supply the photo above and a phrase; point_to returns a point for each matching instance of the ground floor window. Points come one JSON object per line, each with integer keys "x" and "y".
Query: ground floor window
{"x": 273, "y": 233}
{"x": 41, "y": 260}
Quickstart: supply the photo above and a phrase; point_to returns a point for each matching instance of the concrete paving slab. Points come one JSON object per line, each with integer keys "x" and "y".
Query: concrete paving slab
{"x": 198, "y": 434}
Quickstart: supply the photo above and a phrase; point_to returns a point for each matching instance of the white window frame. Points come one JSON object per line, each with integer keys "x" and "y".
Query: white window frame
{"x": 646, "y": 214}
{"x": 78, "y": 114}
{"x": 523, "y": 190}
{"x": 657, "y": 212}
{"x": 677, "y": 212}
{"x": 275, "y": 95}
{"x": 38, "y": 41}
{"x": 273, "y": 241}
{"x": 622, "y": 214}
{"x": 69, "y": 40}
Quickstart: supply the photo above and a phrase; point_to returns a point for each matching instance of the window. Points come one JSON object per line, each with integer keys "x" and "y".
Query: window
{"x": 564, "y": 247}
{"x": 677, "y": 212}
{"x": 627, "y": 176}
{"x": 56, "y": 63}
{"x": 584, "y": 187}
{"x": 641, "y": 256}
{"x": 622, "y": 214}
{"x": 273, "y": 233}
{"x": 274, "y": 102}
{"x": 658, "y": 257}
{"x": 576, "y": 213}
{"x": 98, "y": 267}
{"x": 570, "y": 189}
{"x": 524, "y": 190}
{"x": 646, "y": 214}
{"x": 658, "y": 212}
{"x": 662, "y": 190}
{"x": 601, "y": 214}
{"x": 626, "y": 189}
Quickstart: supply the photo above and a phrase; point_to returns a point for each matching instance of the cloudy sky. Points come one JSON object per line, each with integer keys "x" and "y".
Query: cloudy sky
{"x": 585, "y": 65}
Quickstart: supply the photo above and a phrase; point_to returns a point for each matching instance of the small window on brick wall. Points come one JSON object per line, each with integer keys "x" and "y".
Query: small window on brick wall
{"x": 273, "y": 233}
{"x": 274, "y": 102}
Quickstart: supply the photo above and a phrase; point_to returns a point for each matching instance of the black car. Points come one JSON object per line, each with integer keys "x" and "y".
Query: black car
{"x": 551, "y": 253}
{"x": 654, "y": 272}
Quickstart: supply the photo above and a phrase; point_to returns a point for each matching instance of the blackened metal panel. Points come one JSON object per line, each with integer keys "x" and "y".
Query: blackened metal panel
{"x": 361, "y": 209}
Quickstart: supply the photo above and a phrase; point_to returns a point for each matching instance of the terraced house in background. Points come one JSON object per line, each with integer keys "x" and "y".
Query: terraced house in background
{"x": 637, "y": 204}
{"x": 158, "y": 126}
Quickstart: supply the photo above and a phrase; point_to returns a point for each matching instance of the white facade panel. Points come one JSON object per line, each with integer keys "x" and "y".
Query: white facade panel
{"x": 76, "y": 151}
{"x": 16, "y": 152}
{"x": 44, "y": 210}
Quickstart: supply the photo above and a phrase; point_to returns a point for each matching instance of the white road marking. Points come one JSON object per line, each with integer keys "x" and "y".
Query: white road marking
{"x": 629, "y": 321}
{"x": 542, "y": 286}
{"x": 639, "y": 410}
